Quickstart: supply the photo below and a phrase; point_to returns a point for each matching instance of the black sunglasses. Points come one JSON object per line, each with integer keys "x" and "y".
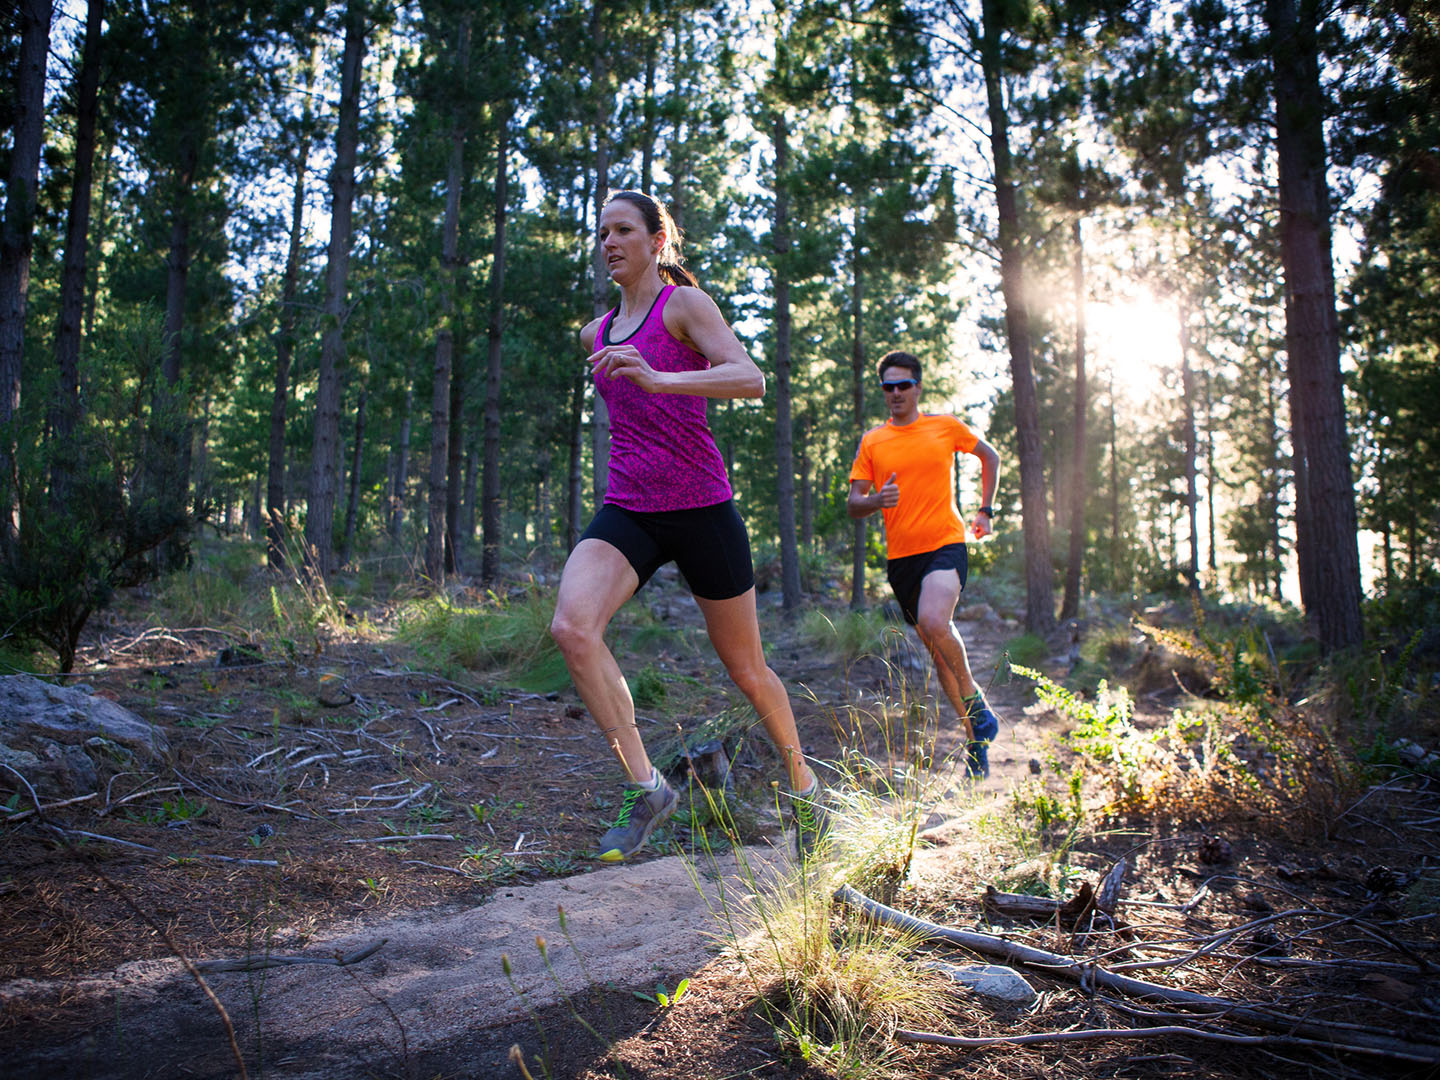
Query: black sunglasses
{"x": 898, "y": 384}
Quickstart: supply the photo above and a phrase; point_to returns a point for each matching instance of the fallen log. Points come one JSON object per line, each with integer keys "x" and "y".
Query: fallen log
{"x": 1090, "y": 976}
{"x": 1044, "y": 908}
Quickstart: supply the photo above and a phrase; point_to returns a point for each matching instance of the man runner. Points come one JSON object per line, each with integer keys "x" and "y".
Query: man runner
{"x": 903, "y": 468}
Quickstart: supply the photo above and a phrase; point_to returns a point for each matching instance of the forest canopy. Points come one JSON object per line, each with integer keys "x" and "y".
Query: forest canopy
{"x": 317, "y": 272}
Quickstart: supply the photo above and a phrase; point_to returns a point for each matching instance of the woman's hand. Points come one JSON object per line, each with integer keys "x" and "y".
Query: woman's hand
{"x": 625, "y": 362}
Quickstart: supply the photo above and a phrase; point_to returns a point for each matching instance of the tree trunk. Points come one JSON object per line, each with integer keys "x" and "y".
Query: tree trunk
{"x": 66, "y": 410}
{"x": 1070, "y": 605}
{"x": 277, "y": 531}
{"x": 807, "y": 488}
{"x": 1328, "y": 550}
{"x": 857, "y": 403}
{"x": 17, "y": 235}
{"x": 1212, "y": 559}
{"x": 399, "y": 491}
{"x": 1039, "y": 590}
{"x": 445, "y": 339}
{"x": 600, "y": 296}
{"x": 495, "y": 327}
{"x": 352, "y": 499}
{"x": 1192, "y": 446}
{"x": 455, "y": 457}
{"x": 320, "y": 514}
{"x": 1114, "y": 491}
{"x": 784, "y": 435}
{"x": 647, "y": 127}
{"x": 574, "y": 508}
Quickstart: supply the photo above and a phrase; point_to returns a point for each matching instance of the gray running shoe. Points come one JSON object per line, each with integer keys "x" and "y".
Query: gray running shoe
{"x": 640, "y": 814}
{"x": 811, "y": 820}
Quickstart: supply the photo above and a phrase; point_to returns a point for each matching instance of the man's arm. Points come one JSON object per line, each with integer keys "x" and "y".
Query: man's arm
{"x": 863, "y": 502}
{"x": 989, "y": 480}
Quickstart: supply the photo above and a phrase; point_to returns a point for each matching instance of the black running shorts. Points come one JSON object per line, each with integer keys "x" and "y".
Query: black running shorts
{"x": 709, "y": 545}
{"x": 907, "y": 573}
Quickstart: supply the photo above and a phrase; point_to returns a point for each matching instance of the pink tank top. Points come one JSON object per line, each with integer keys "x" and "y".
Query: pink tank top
{"x": 662, "y": 455}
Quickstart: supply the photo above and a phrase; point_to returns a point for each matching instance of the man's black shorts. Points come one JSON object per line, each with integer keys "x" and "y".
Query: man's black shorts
{"x": 906, "y": 574}
{"x": 709, "y": 545}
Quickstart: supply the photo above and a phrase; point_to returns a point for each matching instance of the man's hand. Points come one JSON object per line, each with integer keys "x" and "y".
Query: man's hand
{"x": 981, "y": 526}
{"x": 890, "y": 493}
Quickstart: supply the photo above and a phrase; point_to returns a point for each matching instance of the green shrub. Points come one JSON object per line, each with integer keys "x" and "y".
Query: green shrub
{"x": 848, "y": 635}
{"x": 95, "y": 506}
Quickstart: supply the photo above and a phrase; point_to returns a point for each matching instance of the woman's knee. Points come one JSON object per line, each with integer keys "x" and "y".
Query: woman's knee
{"x": 752, "y": 679}
{"x": 572, "y": 635}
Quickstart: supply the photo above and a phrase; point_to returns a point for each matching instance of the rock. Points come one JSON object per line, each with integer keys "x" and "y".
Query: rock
{"x": 31, "y": 707}
{"x": 54, "y": 735}
{"x": 988, "y": 980}
{"x": 332, "y": 691}
{"x": 975, "y": 613}
{"x": 1215, "y": 850}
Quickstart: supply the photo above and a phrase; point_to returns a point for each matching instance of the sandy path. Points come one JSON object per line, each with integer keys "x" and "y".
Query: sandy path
{"x": 440, "y": 976}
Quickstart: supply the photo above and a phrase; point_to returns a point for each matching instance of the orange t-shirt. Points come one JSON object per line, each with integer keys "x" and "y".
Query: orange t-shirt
{"x": 921, "y": 454}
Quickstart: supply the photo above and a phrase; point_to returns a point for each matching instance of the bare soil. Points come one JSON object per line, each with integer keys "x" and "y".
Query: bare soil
{"x": 518, "y": 786}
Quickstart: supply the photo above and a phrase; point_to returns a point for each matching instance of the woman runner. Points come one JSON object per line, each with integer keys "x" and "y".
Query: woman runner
{"x": 655, "y": 359}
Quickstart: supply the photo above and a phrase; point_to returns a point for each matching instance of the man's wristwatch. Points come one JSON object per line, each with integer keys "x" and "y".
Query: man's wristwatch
{"x": 988, "y": 511}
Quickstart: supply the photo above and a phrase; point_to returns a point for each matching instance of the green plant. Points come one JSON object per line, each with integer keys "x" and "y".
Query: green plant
{"x": 375, "y": 888}
{"x": 1026, "y": 650}
{"x": 665, "y": 998}
{"x": 833, "y": 990}
{"x": 648, "y": 687}
{"x": 429, "y": 814}
{"x": 847, "y": 636}
{"x": 510, "y": 632}
{"x": 95, "y": 503}
{"x": 178, "y": 809}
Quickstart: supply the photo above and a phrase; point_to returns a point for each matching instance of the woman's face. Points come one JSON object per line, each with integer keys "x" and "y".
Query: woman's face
{"x": 628, "y": 248}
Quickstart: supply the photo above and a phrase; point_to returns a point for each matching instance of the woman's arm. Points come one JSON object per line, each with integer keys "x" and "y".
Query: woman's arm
{"x": 692, "y": 318}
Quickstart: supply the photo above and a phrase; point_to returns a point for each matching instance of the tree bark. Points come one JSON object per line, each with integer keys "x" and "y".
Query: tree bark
{"x": 65, "y": 414}
{"x": 399, "y": 490}
{"x": 857, "y": 404}
{"x": 574, "y": 495}
{"x": 1327, "y": 546}
{"x": 352, "y": 498}
{"x": 495, "y": 327}
{"x": 1039, "y": 589}
{"x": 455, "y": 456}
{"x": 1070, "y": 605}
{"x": 277, "y": 529}
{"x": 784, "y": 434}
{"x": 17, "y": 237}
{"x": 320, "y": 514}
{"x": 1192, "y": 446}
{"x": 600, "y": 296}
{"x": 445, "y": 338}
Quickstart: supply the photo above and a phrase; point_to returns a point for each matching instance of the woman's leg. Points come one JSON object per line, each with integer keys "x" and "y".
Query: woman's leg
{"x": 734, "y": 631}
{"x": 596, "y": 581}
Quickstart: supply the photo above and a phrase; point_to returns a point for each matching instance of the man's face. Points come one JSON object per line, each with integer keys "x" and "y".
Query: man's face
{"x": 902, "y": 391}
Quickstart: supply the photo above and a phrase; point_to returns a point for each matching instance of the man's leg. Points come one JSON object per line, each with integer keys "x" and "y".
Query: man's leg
{"x": 934, "y": 622}
{"x": 939, "y": 594}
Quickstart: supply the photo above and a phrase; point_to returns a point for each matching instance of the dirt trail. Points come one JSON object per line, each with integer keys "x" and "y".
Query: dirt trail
{"x": 439, "y": 977}
{"x": 436, "y": 986}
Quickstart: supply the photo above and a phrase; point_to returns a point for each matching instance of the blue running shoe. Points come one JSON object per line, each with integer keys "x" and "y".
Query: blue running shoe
{"x": 985, "y": 726}
{"x": 640, "y": 813}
